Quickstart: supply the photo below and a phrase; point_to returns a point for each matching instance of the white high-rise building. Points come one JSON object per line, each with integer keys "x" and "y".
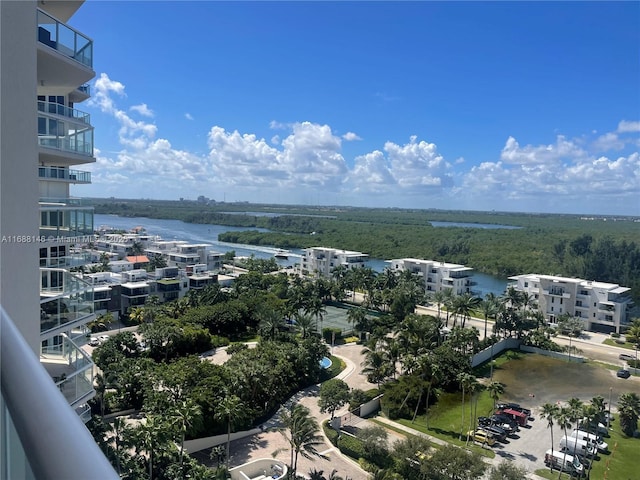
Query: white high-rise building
{"x": 603, "y": 307}
{"x": 44, "y": 65}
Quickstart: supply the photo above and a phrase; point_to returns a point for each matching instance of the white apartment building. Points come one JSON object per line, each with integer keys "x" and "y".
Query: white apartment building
{"x": 603, "y": 307}
{"x": 320, "y": 261}
{"x": 182, "y": 254}
{"x": 45, "y": 65}
{"x": 438, "y": 276}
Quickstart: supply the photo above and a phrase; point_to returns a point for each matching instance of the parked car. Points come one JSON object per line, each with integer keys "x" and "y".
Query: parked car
{"x": 514, "y": 406}
{"x": 599, "y": 428}
{"x": 623, "y": 373}
{"x": 520, "y": 417}
{"x": 564, "y": 462}
{"x": 498, "y": 433}
{"x": 103, "y": 338}
{"x": 499, "y": 418}
{"x": 94, "y": 342}
{"x": 509, "y": 427}
{"x": 482, "y": 437}
{"x": 591, "y": 438}
{"x": 626, "y": 357}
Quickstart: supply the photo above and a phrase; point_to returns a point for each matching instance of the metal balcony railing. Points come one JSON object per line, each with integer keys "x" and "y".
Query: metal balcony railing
{"x": 52, "y": 436}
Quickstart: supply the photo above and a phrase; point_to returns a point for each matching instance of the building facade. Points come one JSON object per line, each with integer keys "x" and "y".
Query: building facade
{"x": 438, "y": 276}
{"x": 320, "y": 261}
{"x": 45, "y": 66}
{"x": 603, "y": 307}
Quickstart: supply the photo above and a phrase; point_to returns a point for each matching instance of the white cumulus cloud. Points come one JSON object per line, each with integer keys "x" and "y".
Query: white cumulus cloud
{"x": 626, "y": 126}
{"x": 350, "y": 137}
{"x": 142, "y": 109}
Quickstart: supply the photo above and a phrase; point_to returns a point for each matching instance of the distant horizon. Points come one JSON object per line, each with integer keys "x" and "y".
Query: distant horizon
{"x": 292, "y": 205}
{"x": 516, "y": 106}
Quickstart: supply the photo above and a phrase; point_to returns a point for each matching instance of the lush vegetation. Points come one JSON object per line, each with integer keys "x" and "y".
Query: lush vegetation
{"x": 570, "y": 245}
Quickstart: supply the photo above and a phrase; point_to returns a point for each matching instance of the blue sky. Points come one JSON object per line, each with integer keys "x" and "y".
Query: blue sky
{"x": 476, "y": 106}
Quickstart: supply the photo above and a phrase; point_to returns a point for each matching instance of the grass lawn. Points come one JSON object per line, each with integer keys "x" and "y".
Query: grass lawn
{"x": 484, "y": 369}
{"x": 627, "y": 345}
{"x": 546, "y": 473}
{"x": 445, "y": 419}
{"x": 621, "y": 462}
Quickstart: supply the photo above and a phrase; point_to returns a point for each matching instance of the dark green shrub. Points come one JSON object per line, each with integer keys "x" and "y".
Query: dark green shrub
{"x": 236, "y": 347}
{"x": 327, "y": 334}
{"x": 351, "y": 446}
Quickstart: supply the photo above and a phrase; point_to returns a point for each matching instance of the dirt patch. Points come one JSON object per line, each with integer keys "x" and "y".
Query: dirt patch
{"x": 534, "y": 380}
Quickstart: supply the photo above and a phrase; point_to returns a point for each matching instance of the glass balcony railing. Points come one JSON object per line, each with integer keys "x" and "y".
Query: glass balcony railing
{"x": 69, "y": 136}
{"x": 67, "y": 261}
{"x": 71, "y": 369}
{"x": 64, "y": 111}
{"x": 86, "y": 89}
{"x": 59, "y": 173}
{"x": 64, "y": 39}
{"x": 32, "y": 404}
{"x": 66, "y": 217}
{"x": 57, "y": 281}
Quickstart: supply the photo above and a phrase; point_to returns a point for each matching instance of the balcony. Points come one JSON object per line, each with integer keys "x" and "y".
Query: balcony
{"x": 80, "y": 94}
{"x": 64, "y": 175}
{"x": 71, "y": 370}
{"x": 67, "y": 261}
{"x": 64, "y": 39}
{"x": 66, "y": 217}
{"x": 64, "y": 111}
{"x": 64, "y": 134}
{"x": 555, "y": 292}
{"x": 32, "y": 405}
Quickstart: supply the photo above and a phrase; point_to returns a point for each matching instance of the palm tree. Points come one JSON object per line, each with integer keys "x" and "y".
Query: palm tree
{"x": 489, "y": 309}
{"x": 629, "y": 411}
{"x": 495, "y": 389}
{"x": 436, "y": 375}
{"x": 231, "y": 409}
{"x": 448, "y": 302}
{"x": 465, "y": 379}
{"x": 439, "y": 298}
{"x": 549, "y": 412}
{"x": 576, "y": 410}
{"x": 465, "y": 304}
{"x": 563, "y": 417}
{"x": 305, "y": 325}
{"x": 186, "y": 414}
{"x": 316, "y": 308}
{"x": 118, "y": 432}
{"x": 301, "y": 431}
{"x": 475, "y": 388}
{"x": 148, "y": 436}
{"x": 375, "y": 366}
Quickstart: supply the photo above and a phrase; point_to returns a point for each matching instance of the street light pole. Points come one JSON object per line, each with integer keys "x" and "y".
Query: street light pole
{"x": 609, "y": 416}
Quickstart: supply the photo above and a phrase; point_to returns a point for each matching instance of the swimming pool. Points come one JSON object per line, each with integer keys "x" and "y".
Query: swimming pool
{"x": 325, "y": 362}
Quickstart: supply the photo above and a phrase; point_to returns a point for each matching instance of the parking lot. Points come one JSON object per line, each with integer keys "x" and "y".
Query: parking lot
{"x": 534, "y": 380}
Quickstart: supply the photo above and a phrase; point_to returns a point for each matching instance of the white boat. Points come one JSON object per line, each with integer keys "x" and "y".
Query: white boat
{"x": 283, "y": 254}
